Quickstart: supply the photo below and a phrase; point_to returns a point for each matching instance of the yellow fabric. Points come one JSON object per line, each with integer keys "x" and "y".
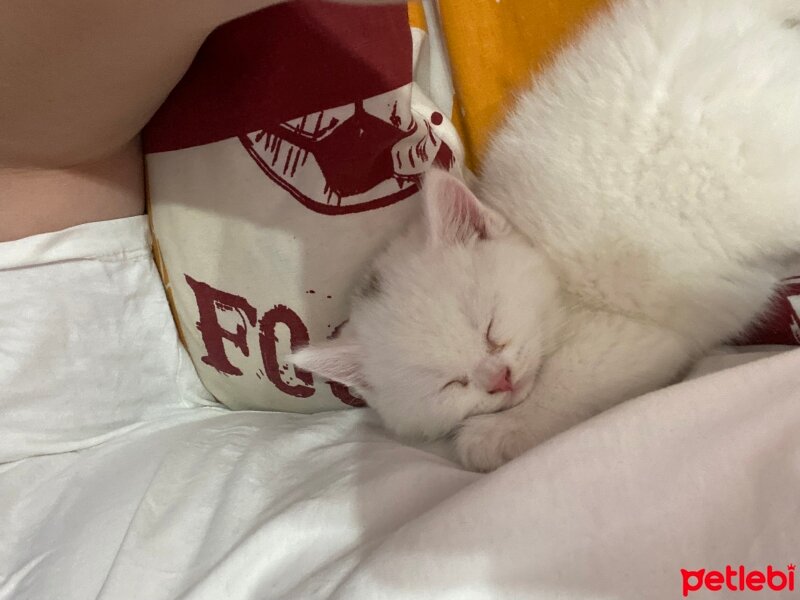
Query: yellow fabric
{"x": 159, "y": 260}
{"x": 493, "y": 46}
{"x": 416, "y": 15}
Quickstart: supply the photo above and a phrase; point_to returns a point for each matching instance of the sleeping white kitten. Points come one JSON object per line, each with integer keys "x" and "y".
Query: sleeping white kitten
{"x": 653, "y": 179}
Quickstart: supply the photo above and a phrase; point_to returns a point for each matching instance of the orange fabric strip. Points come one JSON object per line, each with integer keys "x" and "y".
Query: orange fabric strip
{"x": 416, "y": 15}
{"x": 493, "y": 46}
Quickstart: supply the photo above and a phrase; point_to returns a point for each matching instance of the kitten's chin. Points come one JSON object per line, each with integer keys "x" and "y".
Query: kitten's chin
{"x": 513, "y": 400}
{"x": 420, "y": 432}
{"x": 509, "y": 400}
{"x": 518, "y": 397}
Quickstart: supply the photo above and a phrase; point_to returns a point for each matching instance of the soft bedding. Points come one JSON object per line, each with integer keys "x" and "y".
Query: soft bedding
{"x": 121, "y": 478}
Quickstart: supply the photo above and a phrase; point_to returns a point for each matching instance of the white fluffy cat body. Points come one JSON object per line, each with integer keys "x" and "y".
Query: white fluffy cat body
{"x": 652, "y": 175}
{"x": 656, "y": 162}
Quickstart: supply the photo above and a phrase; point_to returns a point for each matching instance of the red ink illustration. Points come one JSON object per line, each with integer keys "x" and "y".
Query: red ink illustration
{"x": 352, "y": 158}
{"x": 209, "y": 302}
{"x": 781, "y": 323}
{"x": 298, "y": 336}
{"x": 341, "y": 391}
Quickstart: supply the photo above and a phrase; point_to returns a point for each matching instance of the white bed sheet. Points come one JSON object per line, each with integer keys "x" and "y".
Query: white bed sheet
{"x": 120, "y": 478}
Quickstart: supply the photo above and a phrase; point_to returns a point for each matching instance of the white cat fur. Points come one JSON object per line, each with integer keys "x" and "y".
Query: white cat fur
{"x": 652, "y": 176}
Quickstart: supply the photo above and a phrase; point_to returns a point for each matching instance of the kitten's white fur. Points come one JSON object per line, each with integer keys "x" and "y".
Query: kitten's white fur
{"x": 653, "y": 178}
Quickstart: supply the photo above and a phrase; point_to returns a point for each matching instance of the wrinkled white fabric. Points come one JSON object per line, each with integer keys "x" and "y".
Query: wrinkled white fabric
{"x": 87, "y": 345}
{"x": 120, "y": 479}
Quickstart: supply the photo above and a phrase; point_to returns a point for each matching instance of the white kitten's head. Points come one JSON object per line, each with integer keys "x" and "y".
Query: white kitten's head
{"x": 452, "y": 321}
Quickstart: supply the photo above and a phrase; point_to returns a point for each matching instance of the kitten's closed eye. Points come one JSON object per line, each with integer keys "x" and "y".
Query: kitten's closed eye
{"x": 494, "y": 346}
{"x": 462, "y": 381}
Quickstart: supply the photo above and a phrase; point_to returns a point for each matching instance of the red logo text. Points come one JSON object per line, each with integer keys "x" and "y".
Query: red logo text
{"x": 738, "y": 579}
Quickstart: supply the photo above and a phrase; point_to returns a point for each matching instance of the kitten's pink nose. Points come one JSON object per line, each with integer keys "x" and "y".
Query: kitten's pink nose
{"x": 501, "y": 382}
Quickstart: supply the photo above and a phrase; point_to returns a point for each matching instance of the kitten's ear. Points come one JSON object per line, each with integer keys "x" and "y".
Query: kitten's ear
{"x": 339, "y": 360}
{"x": 454, "y": 214}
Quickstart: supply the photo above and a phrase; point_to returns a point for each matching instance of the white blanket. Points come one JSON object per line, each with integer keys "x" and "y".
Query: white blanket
{"x": 120, "y": 478}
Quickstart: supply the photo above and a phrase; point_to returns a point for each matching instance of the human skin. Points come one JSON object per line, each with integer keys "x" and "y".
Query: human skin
{"x": 78, "y": 81}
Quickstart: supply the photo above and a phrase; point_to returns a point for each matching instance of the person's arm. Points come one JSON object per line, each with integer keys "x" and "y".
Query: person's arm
{"x": 78, "y": 81}
{"x": 80, "y": 78}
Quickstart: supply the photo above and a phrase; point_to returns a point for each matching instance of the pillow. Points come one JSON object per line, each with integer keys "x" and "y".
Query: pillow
{"x": 290, "y": 152}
